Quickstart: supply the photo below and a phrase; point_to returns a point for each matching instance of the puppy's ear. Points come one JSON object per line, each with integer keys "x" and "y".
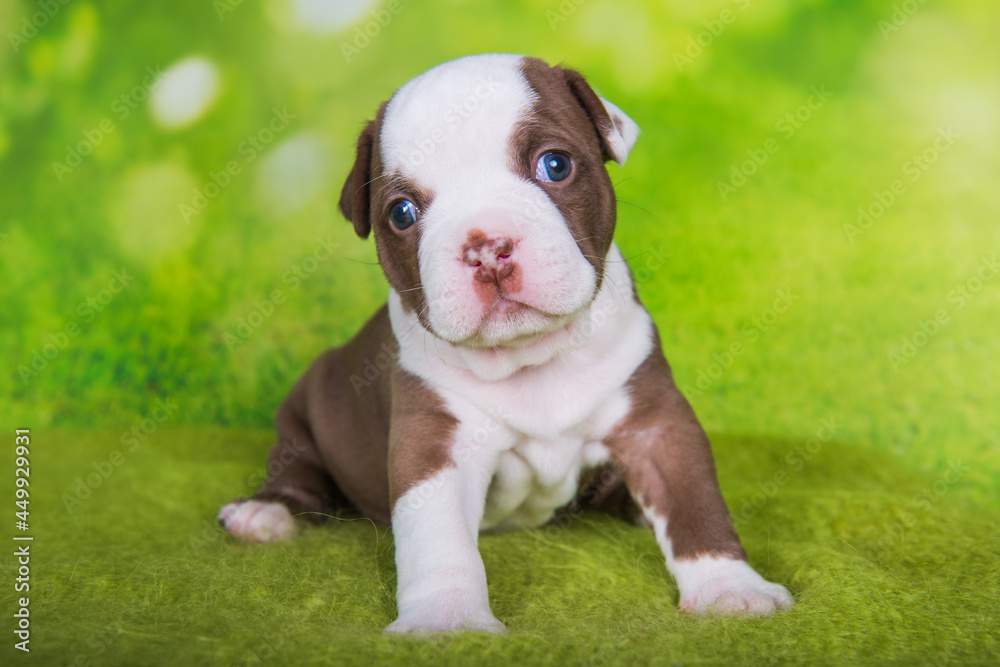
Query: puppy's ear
{"x": 355, "y": 198}
{"x": 618, "y": 132}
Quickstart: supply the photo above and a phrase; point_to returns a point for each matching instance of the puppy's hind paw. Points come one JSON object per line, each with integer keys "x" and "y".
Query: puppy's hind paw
{"x": 257, "y": 521}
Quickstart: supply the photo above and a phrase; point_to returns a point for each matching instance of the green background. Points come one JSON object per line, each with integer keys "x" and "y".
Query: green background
{"x": 886, "y": 566}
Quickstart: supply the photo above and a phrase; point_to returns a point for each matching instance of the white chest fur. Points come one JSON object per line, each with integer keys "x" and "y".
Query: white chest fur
{"x": 535, "y": 477}
{"x": 536, "y": 417}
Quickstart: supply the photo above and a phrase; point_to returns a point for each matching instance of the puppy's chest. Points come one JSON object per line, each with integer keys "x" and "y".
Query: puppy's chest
{"x": 538, "y": 475}
{"x": 535, "y": 478}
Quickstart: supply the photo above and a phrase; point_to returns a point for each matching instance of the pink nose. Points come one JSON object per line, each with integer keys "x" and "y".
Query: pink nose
{"x": 490, "y": 257}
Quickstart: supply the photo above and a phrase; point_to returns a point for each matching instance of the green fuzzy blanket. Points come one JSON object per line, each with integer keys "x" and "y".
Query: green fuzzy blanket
{"x": 130, "y": 568}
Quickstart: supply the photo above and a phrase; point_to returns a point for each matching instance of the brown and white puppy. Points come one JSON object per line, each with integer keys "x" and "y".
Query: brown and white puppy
{"x": 512, "y": 361}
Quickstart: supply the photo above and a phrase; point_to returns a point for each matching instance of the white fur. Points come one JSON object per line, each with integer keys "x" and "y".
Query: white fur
{"x": 626, "y": 133}
{"x": 542, "y": 409}
{"x": 718, "y": 585}
{"x": 608, "y": 339}
{"x": 256, "y": 521}
{"x": 441, "y": 581}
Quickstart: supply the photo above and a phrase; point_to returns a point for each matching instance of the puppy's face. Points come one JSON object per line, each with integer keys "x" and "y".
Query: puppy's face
{"x": 484, "y": 182}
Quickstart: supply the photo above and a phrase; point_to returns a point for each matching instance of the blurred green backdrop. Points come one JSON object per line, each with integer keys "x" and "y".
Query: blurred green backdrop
{"x": 821, "y": 177}
{"x": 706, "y": 103}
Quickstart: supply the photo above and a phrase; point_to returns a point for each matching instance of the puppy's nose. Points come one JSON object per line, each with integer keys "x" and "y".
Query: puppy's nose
{"x": 492, "y": 258}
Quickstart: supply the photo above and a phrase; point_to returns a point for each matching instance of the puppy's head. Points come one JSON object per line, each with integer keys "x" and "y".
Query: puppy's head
{"x": 483, "y": 180}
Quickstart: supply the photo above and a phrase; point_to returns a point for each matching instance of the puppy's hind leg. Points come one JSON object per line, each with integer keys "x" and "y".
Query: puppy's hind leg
{"x": 297, "y": 484}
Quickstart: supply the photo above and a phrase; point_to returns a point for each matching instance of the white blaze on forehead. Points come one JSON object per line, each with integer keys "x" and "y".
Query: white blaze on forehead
{"x": 459, "y": 113}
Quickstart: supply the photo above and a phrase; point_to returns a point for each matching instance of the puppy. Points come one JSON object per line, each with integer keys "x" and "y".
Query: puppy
{"x": 513, "y": 369}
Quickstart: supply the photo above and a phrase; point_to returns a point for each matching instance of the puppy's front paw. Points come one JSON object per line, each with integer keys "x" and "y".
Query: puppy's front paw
{"x": 446, "y": 623}
{"x": 256, "y": 521}
{"x": 445, "y": 611}
{"x": 727, "y": 587}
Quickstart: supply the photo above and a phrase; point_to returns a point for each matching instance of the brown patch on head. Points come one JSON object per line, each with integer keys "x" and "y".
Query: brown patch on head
{"x": 591, "y": 102}
{"x": 568, "y": 117}
{"x": 668, "y": 464}
{"x": 368, "y": 194}
{"x": 421, "y": 435}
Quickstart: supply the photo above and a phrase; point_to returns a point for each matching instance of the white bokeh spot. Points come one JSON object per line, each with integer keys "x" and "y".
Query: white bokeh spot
{"x": 185, "y": 93}
{"x": 292, "y": 173}
{"x": 326, "y": 16}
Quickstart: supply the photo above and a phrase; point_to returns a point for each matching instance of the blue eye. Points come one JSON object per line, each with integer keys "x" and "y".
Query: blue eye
{"x": 553, "y": 167}
{"x": 403, "y": 214}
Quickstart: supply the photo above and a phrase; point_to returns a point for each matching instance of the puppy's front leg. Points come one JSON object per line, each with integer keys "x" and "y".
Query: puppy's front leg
{"x": 670, "y": 473}
{"x": 438, "y": 488}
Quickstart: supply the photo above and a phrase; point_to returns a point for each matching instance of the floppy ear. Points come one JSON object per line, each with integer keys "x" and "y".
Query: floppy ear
{"x": 618, "y": 132}
{"x": 355, "y": 198}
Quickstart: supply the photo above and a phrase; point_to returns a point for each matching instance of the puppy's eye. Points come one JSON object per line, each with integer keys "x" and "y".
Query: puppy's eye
{"x": 553, "y": 167}
{"x": 403, "y": 214}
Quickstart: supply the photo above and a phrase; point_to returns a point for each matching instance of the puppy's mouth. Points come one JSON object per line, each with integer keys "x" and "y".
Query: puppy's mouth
{"x": 535, "y": 301}
{"x": 509, "y": 323}
{"x": 504, "y": 307}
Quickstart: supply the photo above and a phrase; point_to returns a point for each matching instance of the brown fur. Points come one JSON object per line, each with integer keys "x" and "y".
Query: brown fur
{"x": 335, "y": 428}
{"x": 668, "y": 464}
{"x": 365, "y": 200}
{"x": 421, "y": 435}
{"x": 562, "y": 120}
